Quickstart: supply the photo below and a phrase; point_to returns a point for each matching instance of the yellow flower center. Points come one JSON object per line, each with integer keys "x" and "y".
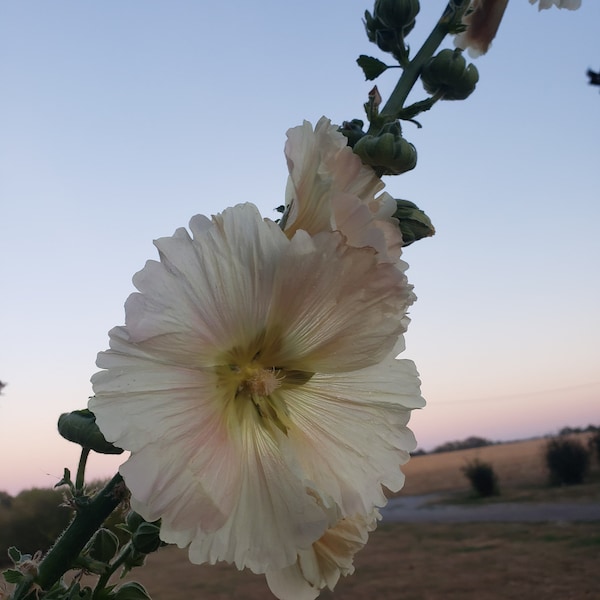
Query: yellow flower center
{"x": 258, "y": 381}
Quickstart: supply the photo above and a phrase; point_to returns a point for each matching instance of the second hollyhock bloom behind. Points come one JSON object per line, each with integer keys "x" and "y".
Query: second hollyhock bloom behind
{"x": 329, "y": 189}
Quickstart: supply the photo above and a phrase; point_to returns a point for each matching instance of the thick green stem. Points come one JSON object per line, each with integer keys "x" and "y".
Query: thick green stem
{"x": 63, "y": 554}
{"x": 452, "y": 13}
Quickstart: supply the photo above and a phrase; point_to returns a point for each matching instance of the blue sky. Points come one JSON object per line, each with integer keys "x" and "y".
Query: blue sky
{"x": 121, "y": 120}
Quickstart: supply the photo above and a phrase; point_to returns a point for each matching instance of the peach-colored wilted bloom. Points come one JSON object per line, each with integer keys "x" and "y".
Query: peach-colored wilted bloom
{"x": 329, "y": 189}
{"x": 482, "y": 21}
{"x": 255, "y": 385}
{"x": 322, "y": 565}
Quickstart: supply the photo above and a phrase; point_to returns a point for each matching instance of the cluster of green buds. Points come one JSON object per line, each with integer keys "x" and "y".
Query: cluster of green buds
{"x": 448, "y": 74}
{"x": 390, "y": 23}
{"x": 387, "y": 152}
{"x": 445, "y": 76}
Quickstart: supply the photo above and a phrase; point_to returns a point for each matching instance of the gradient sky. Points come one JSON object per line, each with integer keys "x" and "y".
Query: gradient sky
{"x": 121, "y": 120}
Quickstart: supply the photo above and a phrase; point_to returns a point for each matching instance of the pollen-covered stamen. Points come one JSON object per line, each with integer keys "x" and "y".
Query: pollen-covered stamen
{"x": 259, "y": 381}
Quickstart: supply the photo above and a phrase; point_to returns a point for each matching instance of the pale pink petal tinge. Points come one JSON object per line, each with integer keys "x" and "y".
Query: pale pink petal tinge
{"x": 254, "y": 376}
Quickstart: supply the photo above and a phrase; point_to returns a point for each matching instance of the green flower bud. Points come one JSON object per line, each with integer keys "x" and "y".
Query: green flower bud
{"x": 449, "y": 74}
{"x": 146, "y": 538}
{"x": 103, "y": 546}
{"x": 388, "y": 152}
{"x": 414, "y": 223}
{"x": 353, "y": 130}
{"x": 397, "y": 15}
{"x": 132, "y": 591}
{"x": 80, "y": 427}
{"x": 133, "y": 520}
{"x": 134, "y": 559}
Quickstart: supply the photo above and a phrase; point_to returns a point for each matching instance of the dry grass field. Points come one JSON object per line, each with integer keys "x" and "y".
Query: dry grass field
{"x": 420, "y": 562}
{"x": 519, "y": 465}
{"x": 404, "y": 561}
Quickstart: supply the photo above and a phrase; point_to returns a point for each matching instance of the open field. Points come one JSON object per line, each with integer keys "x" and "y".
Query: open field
{"x": 469, "y": 561}
{"x": 519, "y": 466}
{"x": 421, "y": 562}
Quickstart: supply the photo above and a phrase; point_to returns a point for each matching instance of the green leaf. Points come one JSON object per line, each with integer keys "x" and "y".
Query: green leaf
{"x": 14, "y": 554}
{"x": 132, "y": 591}
{"x": 372, "y": 67}
{"x": 13, "y": 575}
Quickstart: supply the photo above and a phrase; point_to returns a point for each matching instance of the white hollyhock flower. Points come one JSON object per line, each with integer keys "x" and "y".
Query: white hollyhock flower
{"x": 568, "y": 4}
{"x": 254, "y": 377}
{"x": 330, "y": 189}
{"x": 322, "y": 565}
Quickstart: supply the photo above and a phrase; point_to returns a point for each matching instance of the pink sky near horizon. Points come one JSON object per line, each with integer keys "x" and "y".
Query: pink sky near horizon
{"x": 39, "y": 469}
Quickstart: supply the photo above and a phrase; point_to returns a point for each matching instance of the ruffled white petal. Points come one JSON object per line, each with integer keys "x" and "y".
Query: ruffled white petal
{"x": 329, "y": 189}
{"x": 351, "y": 427}
{"x": 354, "y": 312}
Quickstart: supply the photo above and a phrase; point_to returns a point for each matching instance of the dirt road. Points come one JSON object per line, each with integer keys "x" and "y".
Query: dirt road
{"x": 424, "y": 509}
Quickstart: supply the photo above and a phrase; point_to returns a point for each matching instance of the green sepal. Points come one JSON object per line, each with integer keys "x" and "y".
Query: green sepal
{"x": 13, "y": 575}
{"x": 414, "y": 223}
{"x": 146, "y": 538}
{"x": 14, "y": 554}
{"x": 80, "y": 427}
{"x": 134, "y": 559}
{"x": 66, "y": 479}
{"x": 103, "y": 546}
{"x": 87, "y": 563}
{"x": 353, "y": 131}
{"x": 133, "y": 520}
{"x": 131, "y": 591}
{"x": 372, "y": 67}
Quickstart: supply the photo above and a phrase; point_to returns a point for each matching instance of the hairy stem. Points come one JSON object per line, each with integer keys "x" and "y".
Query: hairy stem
{"x": 87, "y": 521}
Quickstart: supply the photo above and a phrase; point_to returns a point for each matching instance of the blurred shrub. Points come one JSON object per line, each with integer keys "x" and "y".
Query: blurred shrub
{"x": 594, "y": 445}
{"x": 568, "y": 461}
{"x": 482, "y": 477}
{"x": 32, "y": 521}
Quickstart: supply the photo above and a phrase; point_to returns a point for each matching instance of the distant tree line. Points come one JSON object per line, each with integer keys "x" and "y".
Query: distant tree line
{"x": 572, "y": 430}
{"x": 479, "y": 442}
{"x": 470, "y": 442}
